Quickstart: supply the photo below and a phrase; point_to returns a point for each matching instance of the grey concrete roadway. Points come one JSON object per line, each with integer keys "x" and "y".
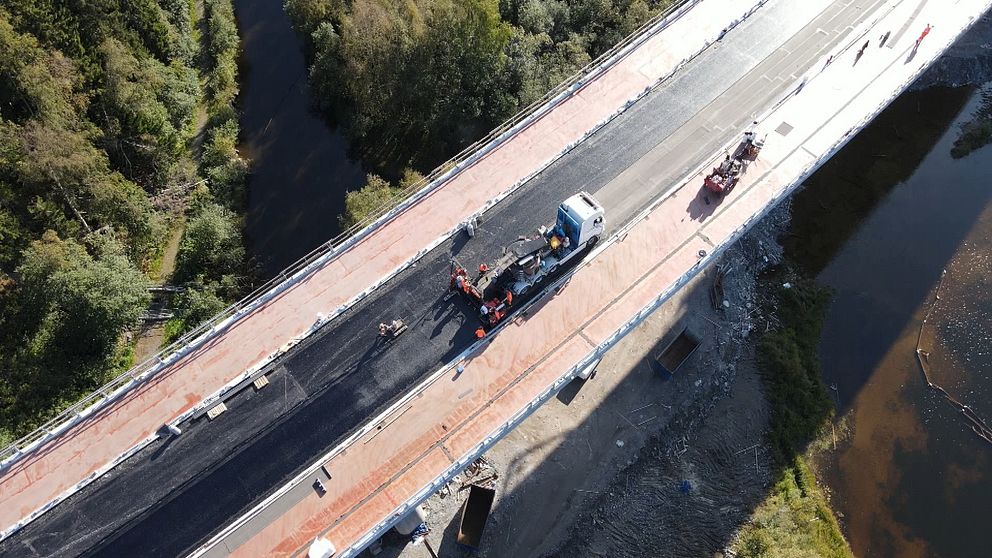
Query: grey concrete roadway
{"x": 175, "y": 493}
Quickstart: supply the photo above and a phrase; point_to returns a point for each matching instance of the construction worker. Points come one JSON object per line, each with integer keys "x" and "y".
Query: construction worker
{"x": 483, "y": 268}
{"x": 480, "y": 333}
{"x": 750, "y": 133}
{"x": 382, "y": 329}
{"x": 509, "y": 298}
{"x": 861, "y": 52}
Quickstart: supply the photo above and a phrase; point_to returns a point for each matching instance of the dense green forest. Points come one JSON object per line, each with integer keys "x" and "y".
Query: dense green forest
{"x": 413, "y": 82}
{"x": 117, "y": 127}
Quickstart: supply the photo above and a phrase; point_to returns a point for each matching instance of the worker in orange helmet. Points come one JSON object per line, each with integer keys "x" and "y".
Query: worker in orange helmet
{"x": 483, "y": 268}
{"x": 480, "y": 333}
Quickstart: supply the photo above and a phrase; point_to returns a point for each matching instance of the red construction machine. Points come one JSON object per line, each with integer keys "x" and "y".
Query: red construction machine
{"x": 725, "y": 176}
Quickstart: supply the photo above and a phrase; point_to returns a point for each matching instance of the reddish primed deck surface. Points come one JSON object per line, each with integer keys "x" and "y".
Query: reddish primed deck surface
{"x": 454, "y": 412}
{"x": 52, "y": 470}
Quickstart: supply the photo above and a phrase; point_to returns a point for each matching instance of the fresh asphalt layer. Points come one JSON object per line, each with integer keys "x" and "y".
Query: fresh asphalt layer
{"x": 178, "y": 491}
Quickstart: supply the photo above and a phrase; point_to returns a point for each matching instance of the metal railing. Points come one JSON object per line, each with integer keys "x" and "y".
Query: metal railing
{"x": 355, "y": 232}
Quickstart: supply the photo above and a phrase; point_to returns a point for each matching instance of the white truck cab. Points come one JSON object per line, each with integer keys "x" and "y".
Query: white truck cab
{"x": 580, "y": 218}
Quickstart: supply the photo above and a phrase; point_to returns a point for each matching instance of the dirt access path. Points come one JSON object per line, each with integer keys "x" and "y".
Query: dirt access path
{"x": 151, "y": 335}
{"x": 148, "y": 340}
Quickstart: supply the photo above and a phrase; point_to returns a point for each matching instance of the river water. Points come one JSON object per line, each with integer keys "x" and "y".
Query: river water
{"x": 879, "y": 224}
{"x": 300, "y": 167}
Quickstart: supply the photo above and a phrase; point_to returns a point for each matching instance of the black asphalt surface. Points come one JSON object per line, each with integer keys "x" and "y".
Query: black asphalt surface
{"x": 177, "y": 492}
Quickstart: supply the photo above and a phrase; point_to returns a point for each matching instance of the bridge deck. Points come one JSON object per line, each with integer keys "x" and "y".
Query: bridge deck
{"x": 56, "y": 469}
{"x": 329, "y": 382}
{"x": 454, "y": 411}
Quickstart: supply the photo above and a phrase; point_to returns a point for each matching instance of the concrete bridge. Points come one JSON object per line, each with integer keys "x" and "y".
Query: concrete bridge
{"x": 383, "y": 426}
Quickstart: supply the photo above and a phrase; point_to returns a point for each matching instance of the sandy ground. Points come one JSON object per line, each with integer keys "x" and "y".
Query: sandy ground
{"x": 600, "y": 469}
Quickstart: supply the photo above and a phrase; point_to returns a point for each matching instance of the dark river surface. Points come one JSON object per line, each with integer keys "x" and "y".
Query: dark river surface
{"x": 300, "y": 168}
{"x": 879, "y": 224}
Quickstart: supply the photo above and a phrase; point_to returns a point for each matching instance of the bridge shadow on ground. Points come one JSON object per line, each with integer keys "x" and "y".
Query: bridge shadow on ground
{"x": 563, "y": 462}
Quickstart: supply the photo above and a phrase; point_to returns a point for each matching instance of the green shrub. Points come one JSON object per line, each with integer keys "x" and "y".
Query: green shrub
{"x": 62, "y": 324}
{"x": 366, "y": 201}
{"x": 211, "y": 247}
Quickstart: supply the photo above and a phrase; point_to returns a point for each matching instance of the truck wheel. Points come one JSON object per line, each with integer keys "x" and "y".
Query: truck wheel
{"x": 592, "y": 242}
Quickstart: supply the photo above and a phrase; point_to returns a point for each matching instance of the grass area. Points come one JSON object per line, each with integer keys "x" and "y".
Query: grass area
{"x": 795, "y": 520}
{"x": 159, "y": 266}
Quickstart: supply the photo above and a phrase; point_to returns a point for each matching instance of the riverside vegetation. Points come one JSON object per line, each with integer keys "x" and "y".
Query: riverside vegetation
{"x": 795, "y": 519}
{"x": 415, "y": 82}
{"x": 112, "y": 114}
